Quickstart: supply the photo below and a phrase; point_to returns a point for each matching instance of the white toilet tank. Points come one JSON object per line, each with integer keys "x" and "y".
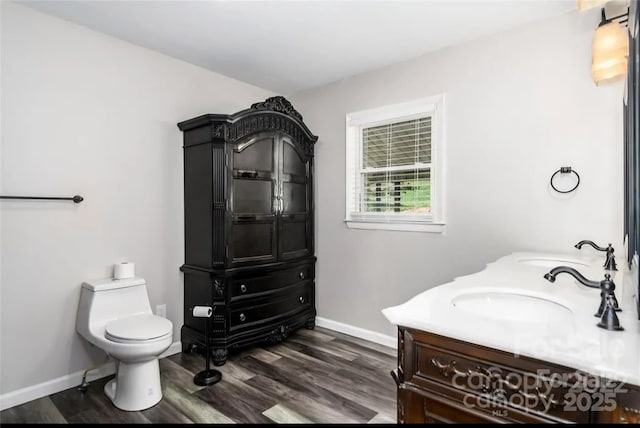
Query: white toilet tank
{"x": 107, "y": 299}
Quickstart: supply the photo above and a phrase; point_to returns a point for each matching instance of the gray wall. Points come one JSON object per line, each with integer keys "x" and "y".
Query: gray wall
{"x": 89, "y": 114}
{"x": 519, "y": 105}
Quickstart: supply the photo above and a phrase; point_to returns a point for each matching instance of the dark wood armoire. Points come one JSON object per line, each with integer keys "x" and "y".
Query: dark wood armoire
{"x": 248, "y": 214}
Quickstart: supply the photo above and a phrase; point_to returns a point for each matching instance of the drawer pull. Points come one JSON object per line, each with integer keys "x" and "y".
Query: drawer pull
{"x": 494, "y": 381}
{"x": 544, "y": 398}
{"x": 243, "y": 288}
{"x": 301, "y": 275}
{"x": 447, "y": 369}
{"x": 301, "y": 299}
{"x": 242, "y": 317}
{"x": 629, "y": 416}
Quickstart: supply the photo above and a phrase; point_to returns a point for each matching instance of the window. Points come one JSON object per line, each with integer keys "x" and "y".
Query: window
{"x": 394, "y": 167}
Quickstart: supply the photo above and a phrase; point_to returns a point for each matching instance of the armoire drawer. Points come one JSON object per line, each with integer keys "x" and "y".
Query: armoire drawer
{"x": 255, "y": 286}
{"x": 256, "y": 311}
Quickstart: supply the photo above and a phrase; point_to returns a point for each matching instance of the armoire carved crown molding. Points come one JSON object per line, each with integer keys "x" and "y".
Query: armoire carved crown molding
{"x": 259, "y": 118}
{"x": 278, "y": 103}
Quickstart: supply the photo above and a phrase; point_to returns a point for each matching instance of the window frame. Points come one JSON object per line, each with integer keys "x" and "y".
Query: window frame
{"x": 355, "y": 122}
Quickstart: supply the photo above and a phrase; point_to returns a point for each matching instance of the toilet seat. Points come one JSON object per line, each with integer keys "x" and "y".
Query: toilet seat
{"x": 138, "y": 328}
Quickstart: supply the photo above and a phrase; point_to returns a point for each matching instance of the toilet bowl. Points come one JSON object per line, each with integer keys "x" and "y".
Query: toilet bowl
{"x": 115, "y": 316}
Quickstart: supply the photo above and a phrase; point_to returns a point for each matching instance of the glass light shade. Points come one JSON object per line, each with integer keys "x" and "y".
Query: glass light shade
{"x": 589, "y": 4}
{"x": 611, "y": 73}
{"x": 609, "y": 53}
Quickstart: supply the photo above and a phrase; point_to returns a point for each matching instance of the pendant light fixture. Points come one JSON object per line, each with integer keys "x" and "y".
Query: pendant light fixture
{"x": 610, "y": 50}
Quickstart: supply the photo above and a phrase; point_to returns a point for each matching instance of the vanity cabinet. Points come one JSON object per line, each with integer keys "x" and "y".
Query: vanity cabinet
{"x": 446, "y": 380}
{"x": 249, "y": 244}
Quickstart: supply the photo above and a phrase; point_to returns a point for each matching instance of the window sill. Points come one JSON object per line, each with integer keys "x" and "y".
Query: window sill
{"x": 398, "y": 226}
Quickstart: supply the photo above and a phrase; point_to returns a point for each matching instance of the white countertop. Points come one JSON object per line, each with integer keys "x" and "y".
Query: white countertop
{"x": 565, "y": 335}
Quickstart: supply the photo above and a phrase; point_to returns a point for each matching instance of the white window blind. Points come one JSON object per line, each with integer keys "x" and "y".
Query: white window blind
{"x": 393, "y": 171}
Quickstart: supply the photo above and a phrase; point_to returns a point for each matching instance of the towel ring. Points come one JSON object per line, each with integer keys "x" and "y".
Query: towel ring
{"x": 565, "y": 170}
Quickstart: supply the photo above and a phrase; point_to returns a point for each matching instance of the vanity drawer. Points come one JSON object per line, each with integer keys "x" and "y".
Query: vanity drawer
{"x": 254, "y": 286}
{"x": 628, "y": 408}
{"x": 256, "y": 311}
{"x": 491, "y": 377}
{"x": 627, "y": 405}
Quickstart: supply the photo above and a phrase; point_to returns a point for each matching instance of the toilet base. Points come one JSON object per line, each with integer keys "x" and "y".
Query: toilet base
{"x": 136, "y": 386}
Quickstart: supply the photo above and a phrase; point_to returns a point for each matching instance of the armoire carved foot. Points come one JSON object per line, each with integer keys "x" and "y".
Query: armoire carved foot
{"x": 187, "y": 346}
{"x": 311, "y": 323}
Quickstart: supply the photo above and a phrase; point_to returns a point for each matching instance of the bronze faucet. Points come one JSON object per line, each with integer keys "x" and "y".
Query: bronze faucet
{"x": 610, "y": 262}
{"x": 606, "y": 287}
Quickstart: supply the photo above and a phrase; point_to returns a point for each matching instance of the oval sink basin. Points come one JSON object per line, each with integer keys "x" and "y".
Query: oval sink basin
{"x": 551, "y": 263}
{"x": 512, "y": 307}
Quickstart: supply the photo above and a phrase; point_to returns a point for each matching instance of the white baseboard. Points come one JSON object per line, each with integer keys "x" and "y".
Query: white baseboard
{"x": 372, "y": 336}
{"x": 53, "y": 386}
{"x": 14, "y": 398}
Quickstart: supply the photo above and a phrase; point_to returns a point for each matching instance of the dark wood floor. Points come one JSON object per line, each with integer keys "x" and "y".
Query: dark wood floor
{"x": 315, "y": 376}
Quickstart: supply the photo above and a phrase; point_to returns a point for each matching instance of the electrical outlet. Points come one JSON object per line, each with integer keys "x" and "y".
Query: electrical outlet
{"x": 161, "y": 310}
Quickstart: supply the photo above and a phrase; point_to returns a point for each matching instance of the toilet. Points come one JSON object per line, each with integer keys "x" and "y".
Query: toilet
{"x": 115, "y": 316}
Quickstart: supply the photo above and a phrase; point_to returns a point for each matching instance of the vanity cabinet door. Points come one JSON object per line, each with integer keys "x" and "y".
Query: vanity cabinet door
{"x": 425, "y": 408}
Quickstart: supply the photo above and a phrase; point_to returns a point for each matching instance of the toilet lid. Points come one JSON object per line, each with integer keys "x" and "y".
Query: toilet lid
{"x": 138, "y": 328}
